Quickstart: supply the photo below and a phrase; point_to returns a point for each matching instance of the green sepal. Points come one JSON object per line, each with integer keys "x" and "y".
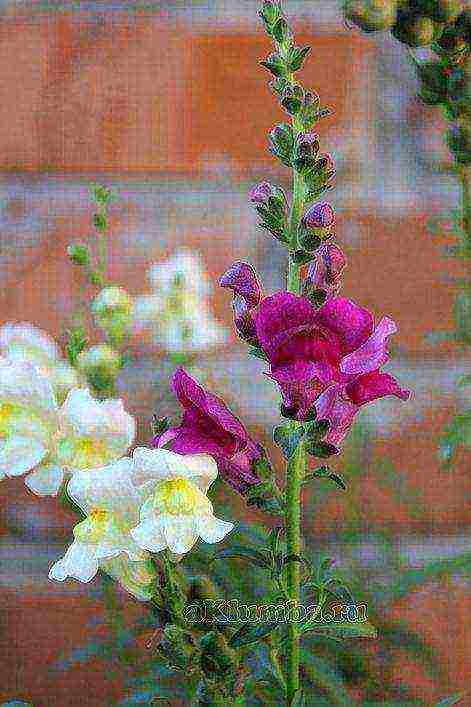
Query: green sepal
{"x": 321, "y": 450}
{"x": 296, "y": 57}
{"x": 287, "y": 439}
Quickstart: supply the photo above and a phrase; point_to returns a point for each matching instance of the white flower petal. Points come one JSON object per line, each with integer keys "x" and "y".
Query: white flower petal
{"x": 78, "y": 562}
{"x": 149, "y": 535}
{"x": 23, "y": 340}
{"x": 155, "y": 465}
{"x": 109, "y": 488}
{"x": 19, "y": 455}
{"x": 23, "y": 384}
{"x": 107, "y": 419}
{"x": 212, "y": 529}
{"x": 180, "y": 533}
{"x": 45, "y": 481}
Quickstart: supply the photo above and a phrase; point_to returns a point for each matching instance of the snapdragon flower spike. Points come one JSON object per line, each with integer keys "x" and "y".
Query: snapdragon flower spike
{"x": 310, "y": 350}
{"x": 242, "y": 279}
{"x": 325, "y": 272}
{"x": 209, "y": 427}
{"x": 176, "y": 511}
{"x": 111, "y": 503}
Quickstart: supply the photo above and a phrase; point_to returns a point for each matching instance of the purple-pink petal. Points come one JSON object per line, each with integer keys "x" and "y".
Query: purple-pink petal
{"x": 244, "y": 320}
{"x": 281, "y": 313}
{"x": 351, "y": 323}
{"x": 242, "y": 279}
{"x": 333, "y": 406}
{"x": 319, "y": 215}
{"x": 326, "y": 270}
{"x": 372, "y": 354}
{"x": 371, "y": 386}
{"x": 206, "y": 408}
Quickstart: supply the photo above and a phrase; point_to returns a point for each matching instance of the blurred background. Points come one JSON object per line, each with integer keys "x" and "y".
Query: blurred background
{"x": 164, "y": 102}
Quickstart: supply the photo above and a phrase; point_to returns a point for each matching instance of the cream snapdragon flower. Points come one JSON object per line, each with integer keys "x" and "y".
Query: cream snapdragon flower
{"x": 25, "y": 342}
{"x": 177, "y": 510}
{"x": 90, "y": 434}
{"x": 177, "y": 311}
{"x": 28, "y": 417}
{"x": 111, "y": 503}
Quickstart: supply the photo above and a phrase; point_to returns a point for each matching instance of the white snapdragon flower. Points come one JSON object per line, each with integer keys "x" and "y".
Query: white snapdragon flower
{"x": 177, "y": 510}
{"x": 111, "y": 503}
{"x": 28, "y": 417}
{"x": 90, "y": 434}
{"x": 25, "y": 342}
{"x": 177, "y": 311}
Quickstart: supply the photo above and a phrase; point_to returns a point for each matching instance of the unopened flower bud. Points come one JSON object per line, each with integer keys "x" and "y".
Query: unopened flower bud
{"x": 270, "y": 12}
{"x": 434, "y": 82}
{"x": 319, "y": 219}
{"x": 242, "y": 279}
{"x": 112, "y": 309}
{"x": 442, "y": 10}
{"x": 101, "y": 365}
{"x": 292, "y": 99}
{"x": 79, "y": 254}
{"x": 459, "y": 142}
{"x": 282, "y": 143}
{"x": 307, "y": 147}
{"x": 414, "y": 30}
{"x": 371, "y": 15}
{"x": 325, "y": 273}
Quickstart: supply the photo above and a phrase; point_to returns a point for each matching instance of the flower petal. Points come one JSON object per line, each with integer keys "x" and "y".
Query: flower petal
{"x": 85, "y": 416}
{"x": 372, "y": 354}
{"x": 22, "y": 383}
{"x": 333, "y": 406}
{"x": 161, "y": 464}
{"x": 372, "y": 386}
{"x": 149, "y": 535}
{"x": 351, "y": 323}
{"x": 180, "y": 533}
{"x": 19, "y": 455}
{"x": 109, "y": 488}
{"x": 212, "y": 529}
{"x": 78, "y": 562}
{"x": 281, "y": 313}
{"x": 45, "y": 481}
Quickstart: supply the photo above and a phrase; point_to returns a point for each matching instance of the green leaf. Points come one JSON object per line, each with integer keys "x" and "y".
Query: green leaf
{"x": 341, "y": 629}
{"x": 287, "y": 439}
{"x": 452, "y": 700}
{"x": 258, "y": 558}
{"x": 299, "y": 699}
{"x": 252, "y": 633}
{"x": 296, "y": 57}
{"x": 321, "y": 450}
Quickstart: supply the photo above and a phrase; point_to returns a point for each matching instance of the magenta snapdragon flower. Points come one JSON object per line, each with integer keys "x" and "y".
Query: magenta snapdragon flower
{"x": 326, "y": 361}
{"x": 209, "y": 427}
{"x": 328, "y": 358}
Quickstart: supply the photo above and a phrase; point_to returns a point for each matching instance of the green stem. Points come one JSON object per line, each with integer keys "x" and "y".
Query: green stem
{"x": 464, "y": 173}
{"x": 295, "y": 473}
{"x": 296, "y": 466}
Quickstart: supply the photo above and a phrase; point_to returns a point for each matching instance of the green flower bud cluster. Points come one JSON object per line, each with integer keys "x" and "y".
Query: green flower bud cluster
{"x": 416, "y": 23}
